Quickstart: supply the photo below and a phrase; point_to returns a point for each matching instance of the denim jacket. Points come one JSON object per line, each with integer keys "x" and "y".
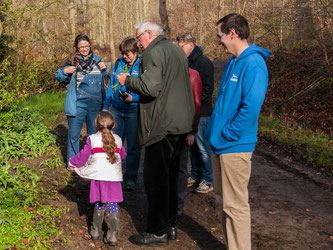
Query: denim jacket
{"x": 71, "y": 96}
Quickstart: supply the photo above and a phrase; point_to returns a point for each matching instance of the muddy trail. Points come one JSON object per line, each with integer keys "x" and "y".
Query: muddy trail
{"x": 291, "y": 207}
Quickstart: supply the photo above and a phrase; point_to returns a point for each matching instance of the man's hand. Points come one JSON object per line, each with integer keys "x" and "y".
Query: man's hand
{"x": 190, "y": 139}
{"x": 122, "y": 78}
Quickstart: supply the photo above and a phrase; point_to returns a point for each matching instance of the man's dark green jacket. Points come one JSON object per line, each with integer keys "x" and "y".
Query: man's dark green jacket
{"x": 166, "y": 100}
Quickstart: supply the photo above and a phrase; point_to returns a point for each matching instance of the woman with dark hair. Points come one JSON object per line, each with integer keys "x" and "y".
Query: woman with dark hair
{"x": 125, "y": 107}
{"x": 84, "y": 73}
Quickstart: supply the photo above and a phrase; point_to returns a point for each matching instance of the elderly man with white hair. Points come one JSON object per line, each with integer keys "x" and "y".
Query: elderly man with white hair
{"x": 166, "y": 116}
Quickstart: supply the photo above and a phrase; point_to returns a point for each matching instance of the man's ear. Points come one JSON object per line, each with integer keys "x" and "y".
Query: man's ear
{"x": 150, "y": 34}
{"x": 233, "y": 34}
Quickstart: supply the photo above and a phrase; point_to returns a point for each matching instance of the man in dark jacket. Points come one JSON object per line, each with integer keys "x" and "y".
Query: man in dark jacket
{"x": 166, "y": 112}
{"x": 201, "y": 171}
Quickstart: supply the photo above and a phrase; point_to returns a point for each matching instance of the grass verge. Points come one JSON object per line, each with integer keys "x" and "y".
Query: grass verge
{"x": 314, "y": 148}
{"x": 48, "y": 104}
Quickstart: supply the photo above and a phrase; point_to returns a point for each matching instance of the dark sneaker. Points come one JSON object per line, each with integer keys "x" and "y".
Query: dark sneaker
{"x": 172, "y": 233}
{"x": 204, "y": 187}
{"x": 190, "y": 182}
{"x": 179, "y": 213}
{"x": 129, "y": 185}
{"x": 148, "y": 239}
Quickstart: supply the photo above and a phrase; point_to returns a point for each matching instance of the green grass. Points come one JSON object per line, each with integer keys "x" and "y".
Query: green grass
{"x": 26, "y": 222}
{"x": 48, "y": 104}
{"x": 314, "y": 147}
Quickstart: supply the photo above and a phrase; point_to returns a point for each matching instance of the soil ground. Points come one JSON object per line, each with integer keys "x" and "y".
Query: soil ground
{"x": 291, "y": 207}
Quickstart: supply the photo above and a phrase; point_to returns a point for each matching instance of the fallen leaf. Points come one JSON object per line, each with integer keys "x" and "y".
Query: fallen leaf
{"x": 67, "y": 217}
{"x": 30, "y": 209}
{"x": 82, "y": 217}
{"x": 25, "y": 241}
{"x": 80, "y": 231}
{"x": 271, "y": 212}
{"x": 213, "y": 229}
{"x": 331, "y": 237}
{"x": 84, "y": 227}
{"x": 92, "y": 244}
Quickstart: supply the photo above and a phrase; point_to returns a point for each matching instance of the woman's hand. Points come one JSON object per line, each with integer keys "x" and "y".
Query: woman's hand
{"x": 129, "y": 98}
{"x": 102, "y": 65}
{"x": 69, "y": 70}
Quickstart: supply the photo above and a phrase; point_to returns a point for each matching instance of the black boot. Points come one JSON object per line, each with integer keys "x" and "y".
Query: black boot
{"x": 96, "y": 227}
{"x": 113, "y": 225}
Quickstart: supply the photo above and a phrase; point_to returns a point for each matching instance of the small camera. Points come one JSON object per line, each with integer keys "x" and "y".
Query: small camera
{"x": 123, "y": 95}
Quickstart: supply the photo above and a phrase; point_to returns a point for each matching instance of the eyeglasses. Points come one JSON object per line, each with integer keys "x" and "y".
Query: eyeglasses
{"x": 220, "y": 36}
{"x": 138, "y": 37}
{"x": 84, "y": 47}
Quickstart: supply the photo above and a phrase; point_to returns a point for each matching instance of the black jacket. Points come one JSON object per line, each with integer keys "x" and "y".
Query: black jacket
{"x": 204, "y": 66}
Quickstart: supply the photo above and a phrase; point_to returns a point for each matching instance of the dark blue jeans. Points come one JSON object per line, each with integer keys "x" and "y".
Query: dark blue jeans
{"x": 200, "y": 155}
{"x": 87, "y": 110}
{"x": 127, "y": 128}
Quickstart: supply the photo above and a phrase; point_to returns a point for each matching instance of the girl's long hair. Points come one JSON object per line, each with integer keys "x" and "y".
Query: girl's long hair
{"x": 105, "y": 123}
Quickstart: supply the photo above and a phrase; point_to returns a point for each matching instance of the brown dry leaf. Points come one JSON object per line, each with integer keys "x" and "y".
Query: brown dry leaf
{"x": 92, "y": 244}
{"x": 84, "y": 227}
{"x": 331, "y": 237}
{"x": 67, "y": 217}
{"x": 80, "y": 231}
{"x": 25, "y": 241}
{"x": 30, "y": 209}
{"x": 82, "y": 217}
{"x": 271, "y": 212}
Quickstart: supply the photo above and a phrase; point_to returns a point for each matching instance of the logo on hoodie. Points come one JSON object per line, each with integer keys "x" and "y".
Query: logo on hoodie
{"x": 234, "y": 78}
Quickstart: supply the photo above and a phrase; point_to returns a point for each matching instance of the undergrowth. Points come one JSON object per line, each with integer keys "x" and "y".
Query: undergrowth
{"x": 25, "y": 220}
{"x": 314, "y": 148}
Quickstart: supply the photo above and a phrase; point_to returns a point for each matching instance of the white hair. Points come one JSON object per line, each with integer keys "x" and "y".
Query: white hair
{"x": 148, "y": 25}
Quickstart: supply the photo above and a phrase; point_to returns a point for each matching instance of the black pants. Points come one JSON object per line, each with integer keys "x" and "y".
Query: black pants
{"x": 182, "y": 176}
{"x": 161, "y": 166}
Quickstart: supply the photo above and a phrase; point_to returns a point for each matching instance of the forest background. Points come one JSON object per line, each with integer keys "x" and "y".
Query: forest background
{"x": 37, "y": 36}
{"x": 295, "y": 126}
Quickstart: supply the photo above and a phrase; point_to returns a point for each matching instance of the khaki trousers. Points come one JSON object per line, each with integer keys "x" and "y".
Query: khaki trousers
{"x": 231, "y": 174}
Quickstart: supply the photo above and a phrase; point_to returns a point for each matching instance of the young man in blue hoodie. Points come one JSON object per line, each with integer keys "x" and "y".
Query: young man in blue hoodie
{"x": 232, "y": 130}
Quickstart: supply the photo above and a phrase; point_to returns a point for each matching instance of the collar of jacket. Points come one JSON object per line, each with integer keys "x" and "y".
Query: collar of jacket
{"x": 153, "y": 43}
{"x": 196, "y": 52}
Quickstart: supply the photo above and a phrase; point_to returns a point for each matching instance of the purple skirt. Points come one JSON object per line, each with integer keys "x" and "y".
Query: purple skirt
{"x": 105, "y": 191}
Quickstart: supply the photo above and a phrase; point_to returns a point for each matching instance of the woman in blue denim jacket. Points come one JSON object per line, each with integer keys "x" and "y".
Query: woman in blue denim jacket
{"x": 125, "y": 107}
{"x": 85, "y": 74}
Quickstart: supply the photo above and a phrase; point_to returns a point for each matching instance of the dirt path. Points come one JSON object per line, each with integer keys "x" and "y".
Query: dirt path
{"x": 290, "y": 210}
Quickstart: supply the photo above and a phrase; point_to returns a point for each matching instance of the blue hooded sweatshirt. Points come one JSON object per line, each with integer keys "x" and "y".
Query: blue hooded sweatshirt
{"x": 112, "y": 95}
{"x": 234, "y": 122}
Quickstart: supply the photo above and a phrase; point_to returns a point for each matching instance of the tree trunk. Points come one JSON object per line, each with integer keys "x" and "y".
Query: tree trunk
{"x": 304, "y": 26}
{"x": 72, "y": 14}
{"x": 164, "y": 17}
{"x": 113, "y": 51}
